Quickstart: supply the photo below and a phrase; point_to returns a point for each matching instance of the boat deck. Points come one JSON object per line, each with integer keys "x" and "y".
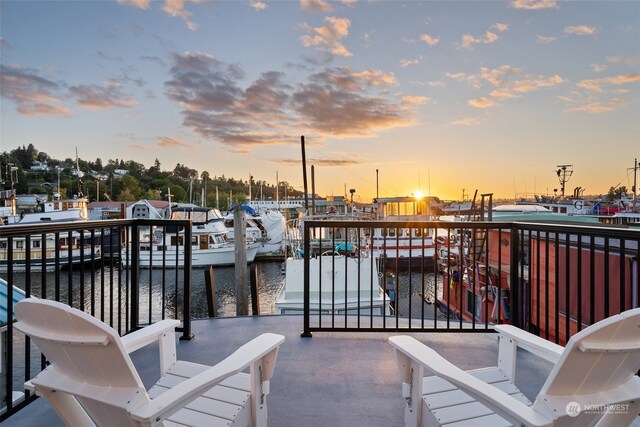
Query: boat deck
{"x": 331, "y": 379}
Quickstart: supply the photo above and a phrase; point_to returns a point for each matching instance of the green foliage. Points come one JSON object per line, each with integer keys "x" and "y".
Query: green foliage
{"x": 151, "y": 183}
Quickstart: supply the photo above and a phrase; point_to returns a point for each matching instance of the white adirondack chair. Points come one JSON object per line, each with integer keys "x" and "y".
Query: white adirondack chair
{"x": 593, "y": 381}
{"x": 92, "y": 381}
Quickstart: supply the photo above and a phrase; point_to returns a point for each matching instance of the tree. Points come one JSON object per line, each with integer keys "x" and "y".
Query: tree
{"x": 616, "y": 193}
{"x": 131, "y": 190}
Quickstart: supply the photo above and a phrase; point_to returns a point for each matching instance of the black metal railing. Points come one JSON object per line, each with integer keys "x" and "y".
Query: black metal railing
{"x": 552, "y": 280}
{"x": 119, "y": 271}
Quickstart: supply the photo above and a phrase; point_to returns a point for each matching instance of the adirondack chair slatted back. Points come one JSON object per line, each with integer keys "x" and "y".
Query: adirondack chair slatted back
{"x": 599, "y": 358}
{"x": 84, "y": 350}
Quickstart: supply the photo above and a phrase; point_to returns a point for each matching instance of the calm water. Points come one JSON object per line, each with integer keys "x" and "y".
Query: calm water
{"x": 106, "y": 279}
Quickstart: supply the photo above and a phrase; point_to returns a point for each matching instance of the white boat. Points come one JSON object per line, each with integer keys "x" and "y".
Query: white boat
{"x": 336, "y": 285}
{"x": 266, "y": 229}
{"x": 72, "y": 250}
{"x": 404, "y": 247}
{"x": 210, "y": 245}
{"x": 342, "y": 279}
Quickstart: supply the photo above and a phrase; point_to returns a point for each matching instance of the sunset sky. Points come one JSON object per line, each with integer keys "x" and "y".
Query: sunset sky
{"x": 437, "y": 95}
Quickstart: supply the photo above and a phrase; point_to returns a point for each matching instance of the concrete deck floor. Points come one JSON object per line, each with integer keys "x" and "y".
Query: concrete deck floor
{"x": 331, "y": 379}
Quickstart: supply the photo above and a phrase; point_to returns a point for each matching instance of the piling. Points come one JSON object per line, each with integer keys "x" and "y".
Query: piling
{"x": 210, "y": 287}
{"x": 240, "y": 238}
{"x": 255, "y": 299}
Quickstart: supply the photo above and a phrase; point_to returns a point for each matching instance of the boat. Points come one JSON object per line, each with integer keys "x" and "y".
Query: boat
{"x": 267, "y": 229}
{"x": 62, "y": 250}
{"x": 210, "y": 245}
{"x": 343, "y": 279}
{"x": 400, "y": 248}
{"x": 17, "y": 295}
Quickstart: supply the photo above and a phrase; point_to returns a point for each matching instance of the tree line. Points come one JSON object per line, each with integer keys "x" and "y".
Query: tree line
{"x": 98, "y": 180}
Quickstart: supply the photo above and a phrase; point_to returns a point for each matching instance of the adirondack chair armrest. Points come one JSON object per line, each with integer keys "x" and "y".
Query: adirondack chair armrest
{"x": 497, "y": 400}
{"x": 149, "y": 334}
{"x": 177, "y": 397}
{"x": 541, "y": 347}
{"x": 163, "y": 332}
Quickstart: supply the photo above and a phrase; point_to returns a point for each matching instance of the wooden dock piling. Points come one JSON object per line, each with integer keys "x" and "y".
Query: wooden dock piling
{"x": 240, "y": 238}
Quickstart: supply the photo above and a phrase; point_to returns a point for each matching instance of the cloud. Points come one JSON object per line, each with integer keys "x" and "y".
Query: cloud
{"x": 176, "y": 8}
{"x": 337, "y": 102}
{"x": 620, "y": 59}
{"x": 349, "y": 2}
{"x": 534, "y": 4}
{"x": 415, "y": 100}
{"x": 481, "y": 102}
{"x": 95, "y": 97}
{"x": 431, "y": 41}
{"x": 140, "y": 4}
{"x": 139, "y": 147}
{"x": 350, "y": 161}
{"x": 258, "y": 5}
{"x": 598, "y": 68}
{"x": 328, "y": 38}
{"x": 581, "y": 30}
{"x": 32, "y": 94}
{"x": 407, "y": 62}
{"x": 166, "y": 142}
{"x": 545, "y": 39}
{"x": 501, "y": 28}
{"x": 315, "y": 6}
{"x": 436, "y": 84}
{"x": 468, "y": 40}
{"x": 596, "y": 85}
{"x": 597, "y": 107}
{"x": 466, "y": 121}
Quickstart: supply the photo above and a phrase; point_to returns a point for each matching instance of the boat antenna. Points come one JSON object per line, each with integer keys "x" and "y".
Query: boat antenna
{"x": 564, "y": 172}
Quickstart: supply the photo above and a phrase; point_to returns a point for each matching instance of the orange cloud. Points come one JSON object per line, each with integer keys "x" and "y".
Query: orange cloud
{"x": 166, "y": 142}
{"x": 140, "y": 4}
{"x": 534, "y": 4}
{"x": 258, "y": 5}
{"x": 581, "y": 30}
{"x": 466, "y": 121}
{"x": 315, "y": 6}
{"x": 95, "y": 97}
{"x": 33, "y": 95}
{"x": 481, "y": 102}
{"x": 596, "y": 107}
{"x": 328, "y": 38}
{"x": 431, "y": 41}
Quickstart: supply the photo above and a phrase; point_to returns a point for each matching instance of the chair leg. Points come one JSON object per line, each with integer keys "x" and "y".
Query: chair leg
{"x": 67, "y": 408}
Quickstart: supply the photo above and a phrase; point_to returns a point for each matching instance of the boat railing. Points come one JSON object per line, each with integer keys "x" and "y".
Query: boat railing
{"x": 102, "y": 275}
{"x": 550, "y": 279}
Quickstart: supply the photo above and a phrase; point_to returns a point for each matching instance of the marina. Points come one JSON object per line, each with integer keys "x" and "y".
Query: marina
{"x": 319, "y": 213}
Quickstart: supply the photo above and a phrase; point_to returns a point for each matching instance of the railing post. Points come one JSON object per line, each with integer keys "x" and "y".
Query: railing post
{"x": 307, "y": 250}
{"x": 514, "y": 291}
{"x": 186, "y": 312}
{"x": 134, "y": 250}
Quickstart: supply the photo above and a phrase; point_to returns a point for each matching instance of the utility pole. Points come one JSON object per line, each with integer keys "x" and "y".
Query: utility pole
{"x": 304, "y": 175}
{"x": 635, "y": 185}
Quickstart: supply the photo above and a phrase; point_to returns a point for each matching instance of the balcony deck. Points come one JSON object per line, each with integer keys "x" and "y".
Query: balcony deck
{"x": 333, "y": 379}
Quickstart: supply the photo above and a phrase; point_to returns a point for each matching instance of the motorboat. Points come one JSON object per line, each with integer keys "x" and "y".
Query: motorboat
{"x": 164, "y": 247}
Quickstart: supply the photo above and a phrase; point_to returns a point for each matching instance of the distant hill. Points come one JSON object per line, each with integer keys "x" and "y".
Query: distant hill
{"x": 30, "y": 171}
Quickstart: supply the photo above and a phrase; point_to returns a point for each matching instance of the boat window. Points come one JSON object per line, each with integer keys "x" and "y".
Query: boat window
{"x": 177, "y": 241}
{"x": 220, "y": 239}
{"x": 417, "y": 232}
{"x": 194, "y": 240}
{"x": 3, "y": 244}
{"x": 19, "y": 244}
{"x": 383, "y": 232}
{"x": 35, "y": 244}
{"x": 392, "y": 232}
{"x": 212, "y": 239}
